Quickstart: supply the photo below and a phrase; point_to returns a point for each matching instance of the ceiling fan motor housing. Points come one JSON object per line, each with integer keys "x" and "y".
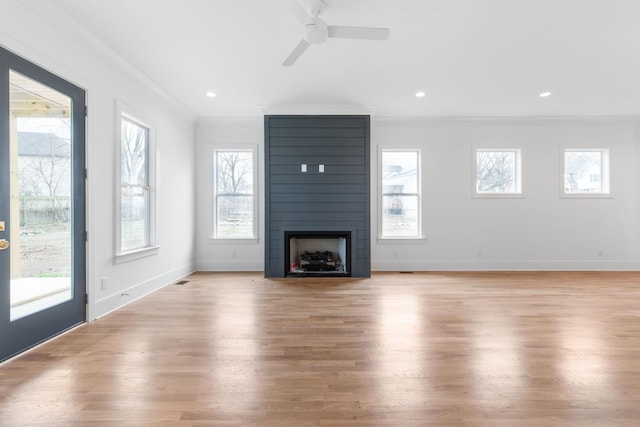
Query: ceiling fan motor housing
{"x": 316, "y": 32}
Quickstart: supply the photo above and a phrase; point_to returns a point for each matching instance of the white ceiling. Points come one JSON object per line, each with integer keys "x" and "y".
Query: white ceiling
{"x": 471, "y": 57}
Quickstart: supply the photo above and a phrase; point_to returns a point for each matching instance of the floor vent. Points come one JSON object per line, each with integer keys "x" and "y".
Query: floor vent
{"x": 182, "y": 282}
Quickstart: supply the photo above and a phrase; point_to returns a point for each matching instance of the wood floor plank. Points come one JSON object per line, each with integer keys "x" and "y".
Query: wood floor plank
{"x": 441, "y": 349}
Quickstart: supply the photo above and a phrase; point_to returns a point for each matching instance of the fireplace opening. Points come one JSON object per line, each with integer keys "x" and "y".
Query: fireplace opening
{"x": 318, "y": 253}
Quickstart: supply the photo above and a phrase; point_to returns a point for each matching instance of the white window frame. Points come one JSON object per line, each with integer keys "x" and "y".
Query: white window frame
{"x": 380, "y": 196}
{"x": 605, "y": 172}
{"x": 253, "y": 149}
{"x": 517, "y": 194}
{"x": 123, "y": 112}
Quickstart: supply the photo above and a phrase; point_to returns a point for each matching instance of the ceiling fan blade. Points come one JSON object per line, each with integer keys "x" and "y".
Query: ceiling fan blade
{"x": 299, "y": 12}
{"x": 362, "y": 33}
{"x": 297, "y": 51}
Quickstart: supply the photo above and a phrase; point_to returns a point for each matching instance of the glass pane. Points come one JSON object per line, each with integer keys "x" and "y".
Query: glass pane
{"x": 134, "y": 201}
{"x": 234, "y": 172}
{"x": 400, "y": 171}
{"x": 583, "y": 172}
{"x": 235, "y": 216}
{"x": 400, "y": 216}
{"x": 133, "y": 211}
{"x": 41, "y": 229}
{"x": 234, "y": 194}
{"x": 496, "y": 172}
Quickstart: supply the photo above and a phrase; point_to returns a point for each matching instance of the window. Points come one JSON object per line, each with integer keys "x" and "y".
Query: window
{"x": 498, "y": 172}
{"x": 135, "y": 202}
{"x": 586, "y": 172}
{"x": 234, "y": 194}
{"x": 400, "y": 188}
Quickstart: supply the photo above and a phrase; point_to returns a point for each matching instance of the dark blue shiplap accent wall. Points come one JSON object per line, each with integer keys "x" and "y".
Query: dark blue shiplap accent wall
{"x": 339, "y": 198}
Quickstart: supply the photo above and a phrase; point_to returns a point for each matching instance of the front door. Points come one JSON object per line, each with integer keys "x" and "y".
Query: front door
{"x": 42, "y": 205}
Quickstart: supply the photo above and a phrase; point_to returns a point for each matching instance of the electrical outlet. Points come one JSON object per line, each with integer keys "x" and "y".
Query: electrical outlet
{"x": 479, "y": 254}
{"x": 104, "y": 283}
{"x": 234, "y": 253}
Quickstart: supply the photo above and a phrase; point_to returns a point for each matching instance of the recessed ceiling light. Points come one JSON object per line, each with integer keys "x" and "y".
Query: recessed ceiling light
{"x": 211, "y": 94}
{"x": 545, "y": 94}
{"x": 420, "y": 94}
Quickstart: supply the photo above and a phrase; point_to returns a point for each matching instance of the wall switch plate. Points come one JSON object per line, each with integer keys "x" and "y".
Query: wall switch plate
{"x": 303, "y": 168}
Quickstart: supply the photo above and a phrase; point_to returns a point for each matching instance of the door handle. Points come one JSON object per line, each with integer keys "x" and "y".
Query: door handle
{"x": 4, "y": 244}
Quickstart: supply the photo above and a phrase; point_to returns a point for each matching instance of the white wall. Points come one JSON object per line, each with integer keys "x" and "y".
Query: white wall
{"x": 226, "y": 255}
{"x": 46, "y": 36}
{"x": 540, "y": 231}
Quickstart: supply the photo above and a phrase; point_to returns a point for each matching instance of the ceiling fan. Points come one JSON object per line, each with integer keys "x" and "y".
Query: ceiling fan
{"x": 317, "y": 31}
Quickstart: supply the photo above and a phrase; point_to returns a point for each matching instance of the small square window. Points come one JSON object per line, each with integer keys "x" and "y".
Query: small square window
{"x": 586, "y": 171}
{"x": 498, "y": 172}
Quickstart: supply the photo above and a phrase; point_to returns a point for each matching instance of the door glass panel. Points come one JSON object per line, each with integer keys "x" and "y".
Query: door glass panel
{"x": 41, "y": 171}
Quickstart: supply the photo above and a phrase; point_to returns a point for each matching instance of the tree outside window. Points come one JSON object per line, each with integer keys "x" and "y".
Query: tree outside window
{"x": 134, "y": 186}
{"x": 234, "y": 194}
{"x": 44, "y": 158}
{"x": 498, "y": 171}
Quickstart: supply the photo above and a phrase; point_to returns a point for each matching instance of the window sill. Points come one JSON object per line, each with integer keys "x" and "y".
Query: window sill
{"x": 402, "y": 240}
{"x": 136, "y": 254}
{"x": 586, "y": 196}
{"x": 498, "y": 196}
{"x": 236, "y": 241}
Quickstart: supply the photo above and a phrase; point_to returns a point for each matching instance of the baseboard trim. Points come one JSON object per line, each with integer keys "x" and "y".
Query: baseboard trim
{"x": 133, "y": 293}
{"x": 507, "y": 265}
{"x": 230, "y": 265}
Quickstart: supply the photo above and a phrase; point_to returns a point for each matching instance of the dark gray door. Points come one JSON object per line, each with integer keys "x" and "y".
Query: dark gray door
{"x": 42, "y": 205}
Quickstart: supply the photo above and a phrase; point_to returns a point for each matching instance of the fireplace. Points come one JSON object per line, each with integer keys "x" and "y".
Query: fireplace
{"x": 317, "y": 253}
{"x": 317, "y": 190}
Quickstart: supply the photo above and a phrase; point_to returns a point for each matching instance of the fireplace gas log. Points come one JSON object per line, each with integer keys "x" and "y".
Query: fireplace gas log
{"x": 318, "y": 261}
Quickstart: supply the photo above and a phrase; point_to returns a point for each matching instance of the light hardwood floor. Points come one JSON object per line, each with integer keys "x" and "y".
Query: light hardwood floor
{"x": 422, "y": 349}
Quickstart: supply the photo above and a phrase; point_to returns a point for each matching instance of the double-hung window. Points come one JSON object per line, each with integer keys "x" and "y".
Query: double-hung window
{"x": 135, "y": 223}
{"x": 400, "y": 207}
{"x": 235, "y": 207}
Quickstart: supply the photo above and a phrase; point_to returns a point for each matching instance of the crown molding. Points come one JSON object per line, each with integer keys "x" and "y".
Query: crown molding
{"x": 510, "y": 121}
{"x": 317, "y": 110}
{"x": 59, "y": 18}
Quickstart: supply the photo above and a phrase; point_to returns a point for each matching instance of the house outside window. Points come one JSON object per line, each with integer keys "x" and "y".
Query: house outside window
{"x": 235, "y": 206}
{"x": 400, "y": 194}
{"x": 586, "y": 172}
